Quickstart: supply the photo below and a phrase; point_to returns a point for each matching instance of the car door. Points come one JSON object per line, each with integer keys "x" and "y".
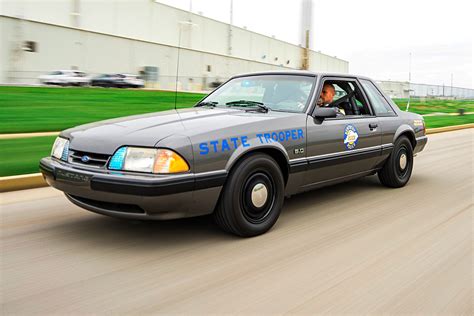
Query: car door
{"x": 345, "y": 146}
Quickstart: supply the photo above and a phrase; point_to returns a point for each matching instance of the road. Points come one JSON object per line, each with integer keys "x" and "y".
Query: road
{"x": 353, "y": 248}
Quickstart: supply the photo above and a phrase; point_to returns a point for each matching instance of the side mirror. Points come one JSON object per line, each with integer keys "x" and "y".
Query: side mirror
{"x": 322, "y": 113}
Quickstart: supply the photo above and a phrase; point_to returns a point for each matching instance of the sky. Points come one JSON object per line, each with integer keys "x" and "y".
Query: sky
{"x": 376, "y": 37}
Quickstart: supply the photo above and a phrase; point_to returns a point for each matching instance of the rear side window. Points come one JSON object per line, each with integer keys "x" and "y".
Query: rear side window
{"x": 379, "y": 104}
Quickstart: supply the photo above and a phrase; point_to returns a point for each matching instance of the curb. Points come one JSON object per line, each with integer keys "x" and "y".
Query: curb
{"x": 36, "y": 180}
{"x": 22, "y": 182}
{"x": 448, "y": 128}
{"x": 27, "y": 135}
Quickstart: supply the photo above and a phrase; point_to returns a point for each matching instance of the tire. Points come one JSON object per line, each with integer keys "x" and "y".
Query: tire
{"x": 252, "y": 198}
{"x": 398, "y": 167}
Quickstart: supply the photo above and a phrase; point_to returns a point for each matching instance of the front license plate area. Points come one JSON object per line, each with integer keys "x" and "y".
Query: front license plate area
{"x": 70, "y": 176}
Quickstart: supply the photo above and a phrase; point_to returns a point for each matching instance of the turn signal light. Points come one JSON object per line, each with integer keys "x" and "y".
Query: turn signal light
{"x": 167, "y": 161}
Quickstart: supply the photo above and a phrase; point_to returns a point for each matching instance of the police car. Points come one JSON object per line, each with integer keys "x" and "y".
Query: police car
{"x": 238, "y": 152}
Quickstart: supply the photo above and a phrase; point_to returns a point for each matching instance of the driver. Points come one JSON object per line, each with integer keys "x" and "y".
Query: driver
{"x": 327, "y": 97}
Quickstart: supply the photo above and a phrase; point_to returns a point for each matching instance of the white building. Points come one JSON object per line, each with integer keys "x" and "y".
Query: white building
{"x": 125, "y": 36}
{"x": 399, "y": 89}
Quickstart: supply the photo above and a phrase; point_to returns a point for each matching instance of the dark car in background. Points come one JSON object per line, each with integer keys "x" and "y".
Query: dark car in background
{"x": 118, "y": 81}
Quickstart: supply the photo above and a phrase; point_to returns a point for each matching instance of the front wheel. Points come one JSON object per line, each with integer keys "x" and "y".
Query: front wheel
{"x": 397, "y": 169}
{"x": 252, "y": 198}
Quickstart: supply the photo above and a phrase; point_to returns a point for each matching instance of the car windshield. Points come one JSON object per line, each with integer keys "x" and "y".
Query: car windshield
{"x": 288, "y": 93}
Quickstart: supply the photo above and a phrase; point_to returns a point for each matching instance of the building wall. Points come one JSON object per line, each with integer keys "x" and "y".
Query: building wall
{"x": 149, "y": 21}
{"x": 97, "y": 53}
{"x": 76, "y": 30}
{"x": 3, "y": 51}
{"x": 397, "y": 89}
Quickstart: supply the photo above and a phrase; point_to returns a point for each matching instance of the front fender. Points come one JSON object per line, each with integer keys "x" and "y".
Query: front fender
{"x": 180, "y": 144}
{"x": 254, "y": 144}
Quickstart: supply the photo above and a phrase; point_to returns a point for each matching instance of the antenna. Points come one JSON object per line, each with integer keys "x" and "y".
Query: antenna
{"x": 181, "y": 23}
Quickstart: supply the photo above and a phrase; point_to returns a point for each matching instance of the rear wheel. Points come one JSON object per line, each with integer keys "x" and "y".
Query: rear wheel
{"x": 252, "y": 198}
{"x": 397, "y": 169}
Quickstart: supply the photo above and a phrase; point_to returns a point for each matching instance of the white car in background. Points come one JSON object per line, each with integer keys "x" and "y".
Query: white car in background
{"x": 133, "y": 81}
{"x": 66, "y": 78}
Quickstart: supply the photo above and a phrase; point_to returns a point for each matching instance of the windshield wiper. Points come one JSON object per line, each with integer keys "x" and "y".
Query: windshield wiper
{"x": 211, "y": 104}
{"x": 244, "y": 103}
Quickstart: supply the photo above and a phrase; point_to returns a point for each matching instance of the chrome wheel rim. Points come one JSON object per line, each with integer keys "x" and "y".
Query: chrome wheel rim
{"x": 403, "y": 161}
{"x": 259, "y": 195}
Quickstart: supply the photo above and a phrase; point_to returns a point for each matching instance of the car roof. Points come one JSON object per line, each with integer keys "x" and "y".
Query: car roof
{"x": 300, "y": 73}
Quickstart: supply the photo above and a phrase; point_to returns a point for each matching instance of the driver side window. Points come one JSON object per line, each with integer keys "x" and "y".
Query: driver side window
{"x": 348, "y": 98}
{"x": 339, "y": 92}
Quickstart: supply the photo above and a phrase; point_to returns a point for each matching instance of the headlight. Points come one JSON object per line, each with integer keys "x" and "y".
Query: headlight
{"x": 60, "y": 148}
{"x": 149, "y": 160}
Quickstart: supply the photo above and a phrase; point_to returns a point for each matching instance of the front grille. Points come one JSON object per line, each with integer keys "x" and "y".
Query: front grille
{"x": 116, "y": 207}
{"x": 88, "y": 159}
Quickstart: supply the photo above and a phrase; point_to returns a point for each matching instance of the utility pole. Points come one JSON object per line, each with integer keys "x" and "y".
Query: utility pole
{"x": 306, "y": 21}
{"x": 409, "y": 81}
{"x": 76, "y": 13}
{"x": 452, "y": 94}
{"x": 231, "y": 20}
{"x": 409, "y": 68}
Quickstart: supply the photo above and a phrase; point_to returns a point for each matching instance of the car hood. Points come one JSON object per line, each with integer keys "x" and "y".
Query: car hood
{"x": 147, "y": 130}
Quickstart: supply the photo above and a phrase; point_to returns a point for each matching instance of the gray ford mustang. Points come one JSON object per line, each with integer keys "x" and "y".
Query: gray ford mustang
{"x": 237, "y": 153}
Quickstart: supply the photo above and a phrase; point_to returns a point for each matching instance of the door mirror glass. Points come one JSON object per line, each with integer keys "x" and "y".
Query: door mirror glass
{"x": 324, "y": 112}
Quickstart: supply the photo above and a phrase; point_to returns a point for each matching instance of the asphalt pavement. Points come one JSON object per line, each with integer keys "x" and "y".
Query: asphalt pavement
{"x": 353, "y": 248}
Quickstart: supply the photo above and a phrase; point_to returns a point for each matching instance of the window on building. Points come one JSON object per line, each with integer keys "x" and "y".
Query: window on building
{"x": 30, "y": 46}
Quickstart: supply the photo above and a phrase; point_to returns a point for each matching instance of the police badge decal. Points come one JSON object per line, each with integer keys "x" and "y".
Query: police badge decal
{"x": 350, "y": 137}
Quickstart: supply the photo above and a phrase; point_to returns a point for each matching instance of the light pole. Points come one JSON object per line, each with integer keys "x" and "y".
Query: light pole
{"x": 231, "y": 21}
{"x": 452, "y": 94}
{"x": 409, "y": 82}
{"x": 180, "y": 23}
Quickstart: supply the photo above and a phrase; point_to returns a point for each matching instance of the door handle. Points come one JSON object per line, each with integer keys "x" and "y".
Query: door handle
{"x": 373, "y": 126}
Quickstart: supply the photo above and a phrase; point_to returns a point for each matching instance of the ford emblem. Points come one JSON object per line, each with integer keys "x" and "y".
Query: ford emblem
{"x": 85, "y": 158}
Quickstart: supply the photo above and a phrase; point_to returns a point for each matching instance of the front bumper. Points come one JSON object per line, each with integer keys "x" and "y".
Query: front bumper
{"x": 132, "y": 195}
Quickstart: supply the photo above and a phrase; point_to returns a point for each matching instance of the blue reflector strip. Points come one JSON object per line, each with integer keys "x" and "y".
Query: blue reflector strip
{"x": 116, "y": 163}
{"x": 65, "y": 154}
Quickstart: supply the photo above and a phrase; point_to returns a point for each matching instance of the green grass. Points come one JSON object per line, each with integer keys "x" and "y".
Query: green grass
{"x": 37, "y": 109}
{"x": 22, "y": 155}
{"x": 426, "y": 106}
{"x": 448, "y": 120}
{"x": 44, "y": 109}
